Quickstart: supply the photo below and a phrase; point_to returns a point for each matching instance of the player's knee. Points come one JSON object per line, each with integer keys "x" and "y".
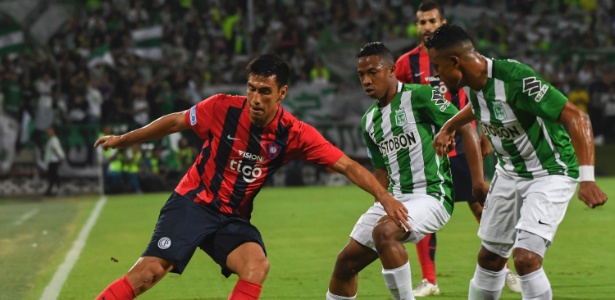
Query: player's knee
{"x": 145, "y": 274}
{"x": 493, "y": 256}
{"x": 255, "y": 270}
{"x": 526, "y": 261}
{"x": 528, "y": 252}
{"x": 346, "y": 266}
{"x": 386, "y": 231}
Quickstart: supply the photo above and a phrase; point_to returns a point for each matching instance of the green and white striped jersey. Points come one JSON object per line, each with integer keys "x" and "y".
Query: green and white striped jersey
{"x": 518, "y": 112}
{"x": 399, "y": 138}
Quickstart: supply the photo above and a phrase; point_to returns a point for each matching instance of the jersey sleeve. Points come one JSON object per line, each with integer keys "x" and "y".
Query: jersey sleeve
{"x": 372, "y": 151}
{"x": 315, "y": 148}
{"x": 435, "y": 108}
{"x": 199, "y": 117}
{"x": 402, "y": 70}
{"x": 536, "y": 96}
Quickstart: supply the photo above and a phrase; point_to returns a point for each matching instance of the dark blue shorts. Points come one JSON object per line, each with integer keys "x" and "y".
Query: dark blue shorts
{"x": 462, "y": 178}
{"x": 184, "y": 225}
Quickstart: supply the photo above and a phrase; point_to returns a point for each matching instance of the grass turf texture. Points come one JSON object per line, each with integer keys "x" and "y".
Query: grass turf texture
{"x": 303, "y": 229}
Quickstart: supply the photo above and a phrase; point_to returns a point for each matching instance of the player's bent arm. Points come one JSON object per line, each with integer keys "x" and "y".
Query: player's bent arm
{"x": 471, "y": 144}
{"x": 580, "y": 129}
{"x": 444, "y": 141}
{"x": 463, "y": 117}
{"x": 157, "y": 129}
{"x": 360, "y": 176}
{"x": 382, "y": 175}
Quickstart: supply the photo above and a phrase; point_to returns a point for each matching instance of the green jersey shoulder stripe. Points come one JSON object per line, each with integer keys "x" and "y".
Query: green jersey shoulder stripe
{"x": 518, "y": 112}
{"x": 399, "y": 138}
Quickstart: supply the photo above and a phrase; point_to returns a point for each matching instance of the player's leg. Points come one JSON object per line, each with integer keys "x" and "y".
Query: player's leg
{"x": 545, "y": 202}
{"x": 426, "y": 215}
{"x": 142, "y": 276}
{"x": 356, "y": 255}
{"x": 249, "y": 262}
{"x": 426, "y": 253}
{"x": 462, "y": 178}
{"x": 497, "y": 232}
{"x": 239, "y": 248}
{"x": 353, "y": 258}
{"x": 176, "y": 237}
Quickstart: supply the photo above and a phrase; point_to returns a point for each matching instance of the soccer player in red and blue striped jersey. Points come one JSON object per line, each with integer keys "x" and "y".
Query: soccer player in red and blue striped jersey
{"x": 246, "y": 139}
{"x": 415, "y": 67}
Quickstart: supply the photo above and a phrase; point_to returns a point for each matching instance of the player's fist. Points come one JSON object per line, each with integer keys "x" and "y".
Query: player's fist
{"x": 107, "y": 141}
{"x": 591, "y": 194}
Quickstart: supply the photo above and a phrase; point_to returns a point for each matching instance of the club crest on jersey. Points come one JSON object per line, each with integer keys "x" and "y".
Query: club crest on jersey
{"x": 499, "y": 111}
{"x": 273, "y": 150}
{"x": 400, "y": 117}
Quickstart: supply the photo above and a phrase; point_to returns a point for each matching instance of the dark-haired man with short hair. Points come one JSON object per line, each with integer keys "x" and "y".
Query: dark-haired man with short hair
{"x": 398, "y": 130}
{"x": 539, "y": 162}
{"x": 246, "y": 139}
{"x": 414, "y": 67}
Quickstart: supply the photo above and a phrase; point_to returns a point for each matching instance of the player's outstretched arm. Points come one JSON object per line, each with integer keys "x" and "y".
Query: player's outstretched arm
{"x": 365, "y": 180}
{"x": 159, "y": 128}
{"x": 444, "y": 141}
{"x": 471, "y": 144}
{"x": 582, "y": 137}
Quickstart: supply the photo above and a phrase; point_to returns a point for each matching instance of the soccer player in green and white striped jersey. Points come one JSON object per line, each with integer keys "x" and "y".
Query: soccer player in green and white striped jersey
{"x": 398, "y": 130}
{"x": 539, "y": 163}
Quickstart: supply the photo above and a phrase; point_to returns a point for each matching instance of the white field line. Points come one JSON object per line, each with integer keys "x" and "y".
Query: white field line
{"x": 52, "y": 291}
{"x": 26, "y": 216}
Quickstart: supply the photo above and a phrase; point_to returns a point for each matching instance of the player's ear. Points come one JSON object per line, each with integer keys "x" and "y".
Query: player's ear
{"x": 455, "y": 61}
{"x": 444, "y": 21}
{"x": 282, "y": 92}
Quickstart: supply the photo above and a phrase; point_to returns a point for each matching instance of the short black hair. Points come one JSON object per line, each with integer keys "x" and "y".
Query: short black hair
{"x": 376, "y": 48}
{"x": 447, "y": 36}
{"x": 268, "y": 65}
{"x": 429, "y": 5}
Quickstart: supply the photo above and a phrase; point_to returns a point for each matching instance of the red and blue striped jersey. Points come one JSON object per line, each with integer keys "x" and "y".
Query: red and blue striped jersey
{"x": 414, "y": 67}
{"x": 237, "y": 156}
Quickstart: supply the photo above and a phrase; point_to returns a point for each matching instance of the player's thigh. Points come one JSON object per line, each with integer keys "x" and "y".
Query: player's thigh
{"x": 248, "y": 258}
{"x": 426, "y": 214}
{"x": 545, "y": 200}
{"x": 232, "y": 234}
{"x": 363, "y": 229}
{"x": 462, "y": 178}
{"x": 501, "y": 211}
{"x": 181, "y": 226}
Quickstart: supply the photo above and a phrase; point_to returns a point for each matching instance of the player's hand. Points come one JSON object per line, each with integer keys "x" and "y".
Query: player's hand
{"x": 397, "y": 211}
{"x": 444, "y": 142}
{"x": 480, "y": 189}
{"x": 591, "y": 194}
{"x": 485, "y": 147}
{"x": 107, "y": 141}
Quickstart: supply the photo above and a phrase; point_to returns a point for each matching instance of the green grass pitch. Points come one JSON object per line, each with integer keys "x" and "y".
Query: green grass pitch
{"x": 303, "y": 229}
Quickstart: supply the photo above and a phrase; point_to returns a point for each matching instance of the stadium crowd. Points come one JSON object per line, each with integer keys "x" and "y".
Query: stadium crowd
{"x": 207, "y": 43}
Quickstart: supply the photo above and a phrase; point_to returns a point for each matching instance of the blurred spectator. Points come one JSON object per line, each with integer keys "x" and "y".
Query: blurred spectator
{"x": 185, "y": 154}
{"x": 130, "y": 167}
{"x": 319, "y": 73}
{"x": 578, "y": 96}
{"x": 54, "y": 155}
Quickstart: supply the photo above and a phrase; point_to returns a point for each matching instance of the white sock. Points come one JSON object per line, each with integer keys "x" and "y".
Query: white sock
{"x": 486, "y": 285}
{"x": 399, "y": 282}
{"x": 536, "y": 286}
{"x": 336, "y": 297}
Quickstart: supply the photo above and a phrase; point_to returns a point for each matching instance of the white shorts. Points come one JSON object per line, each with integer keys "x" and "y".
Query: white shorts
{"x": 425, "y": 215}
{"x": 534, "y": 205}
